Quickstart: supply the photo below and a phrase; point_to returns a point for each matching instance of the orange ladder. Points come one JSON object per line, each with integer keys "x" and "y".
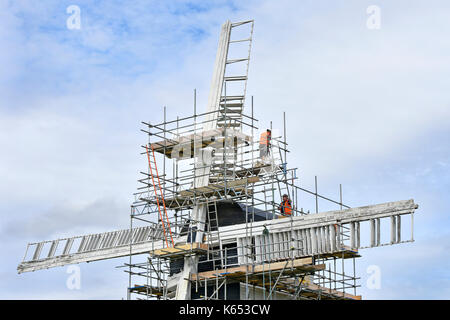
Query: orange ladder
{"x": 160, "y": 196}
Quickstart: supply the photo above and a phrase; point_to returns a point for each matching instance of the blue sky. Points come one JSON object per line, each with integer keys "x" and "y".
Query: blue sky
{"x": 366, "y": 108}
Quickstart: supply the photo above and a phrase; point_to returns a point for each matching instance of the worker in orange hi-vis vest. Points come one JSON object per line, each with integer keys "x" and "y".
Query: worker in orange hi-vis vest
{"x": 285, "y": 206}
{"x": 264, "y": 143}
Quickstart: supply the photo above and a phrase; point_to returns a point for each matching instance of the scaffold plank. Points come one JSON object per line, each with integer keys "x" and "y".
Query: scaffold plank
{"x": 303, "y": 264}
{"x": 147, "y": 290}
{"x": 211, "y": 188}
{"x": 180, "y": 250}
{"x": 189, "y": 143}
{"x": 314, "y": 289}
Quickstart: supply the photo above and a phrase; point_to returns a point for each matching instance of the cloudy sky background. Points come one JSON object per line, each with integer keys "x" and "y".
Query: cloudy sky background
{"x": 366, "y": 108}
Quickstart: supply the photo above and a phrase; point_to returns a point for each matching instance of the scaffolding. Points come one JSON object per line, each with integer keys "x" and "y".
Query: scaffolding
{"x": 206, "y": 222}
{"x": 264, "y": 267}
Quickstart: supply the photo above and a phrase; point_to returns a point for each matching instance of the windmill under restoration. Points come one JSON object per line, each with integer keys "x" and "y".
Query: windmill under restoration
{"x": 206, "y": 220}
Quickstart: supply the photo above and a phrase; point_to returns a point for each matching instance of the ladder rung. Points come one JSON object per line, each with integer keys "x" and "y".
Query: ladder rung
{"x": 229, "y": 110}
{"x": 231, "y": 105}
{"x": 235, "y": 125}
{"x": 235, "y": 78}
{"x": 231, "y": 98}
{"x": 231, "y": 113}
{"x": 240, "y": 23}
{"x": 229, "y": 119}
{"x": 236, "y": 60}
{"x": 241, "y": 40}
{"x": 219, "y": 162}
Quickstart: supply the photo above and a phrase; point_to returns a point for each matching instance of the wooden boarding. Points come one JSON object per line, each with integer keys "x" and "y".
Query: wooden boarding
{"x": 312, "y": 290}
{"x": 257, "y": 278}
{"x": 303, "y": 264}
{"x": 167, "y": 148}
{"x": 178, "y": 202}
{"x": 309, "y": 288}
{"x": 280, "y": 265}
{"x": 180, "y": 250}
{"x": 211, "y": 188}
{"x": 254, "y": 171}
{"x": 200, "y": 137}
{"x": 345, "y": 253}
{"x": 326, "y": 291}
{"x": 182, "y": 198}
{"x": 236, "y": 271}
{"x": 143, "y": 289}
{"x": 203, "y": 139}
